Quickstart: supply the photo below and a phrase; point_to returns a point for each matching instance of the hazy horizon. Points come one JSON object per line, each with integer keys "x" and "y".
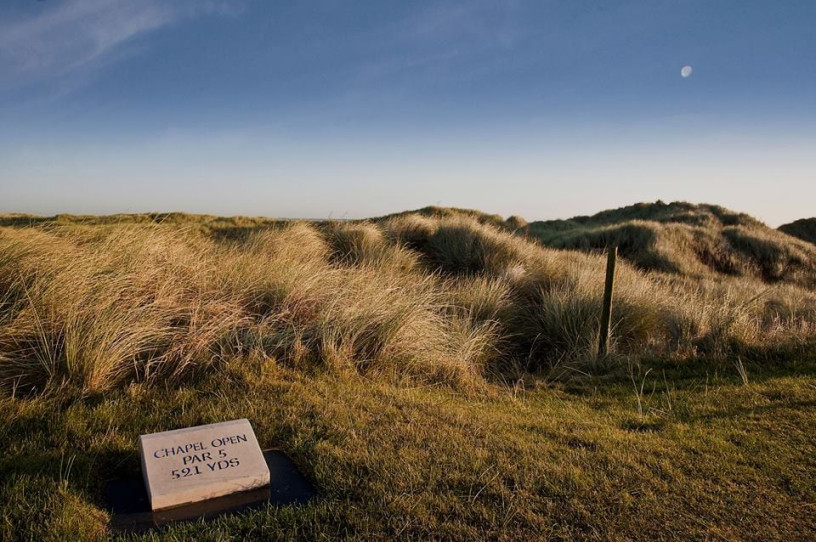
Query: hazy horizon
{"x": 349, "y": 110}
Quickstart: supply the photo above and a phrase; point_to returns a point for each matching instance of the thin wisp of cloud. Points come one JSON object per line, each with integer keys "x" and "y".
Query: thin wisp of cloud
{"x": 77, "y": 34}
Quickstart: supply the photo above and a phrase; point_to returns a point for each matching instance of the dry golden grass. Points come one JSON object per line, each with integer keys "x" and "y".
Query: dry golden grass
{"x": 429, "y": 299}
{"x": 688, "y": 239}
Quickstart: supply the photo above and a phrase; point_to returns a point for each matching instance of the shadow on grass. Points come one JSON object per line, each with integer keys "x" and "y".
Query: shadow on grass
{"x": 241, "y": 234}
{"x": 22, "y": 221}
{"x": 87, "y": 472}
{"x": 741, "y": 411}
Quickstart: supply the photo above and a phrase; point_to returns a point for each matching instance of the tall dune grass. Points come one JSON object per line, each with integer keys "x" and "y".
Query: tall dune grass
{"x": 688, "y": 239}
{"x": 430, "y": 299}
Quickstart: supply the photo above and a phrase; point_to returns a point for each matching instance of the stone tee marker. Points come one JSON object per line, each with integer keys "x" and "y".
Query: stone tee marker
{"x": 198, "y": 463}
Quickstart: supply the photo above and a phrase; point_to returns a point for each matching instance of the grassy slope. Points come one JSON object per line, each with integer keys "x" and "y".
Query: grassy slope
{"x": 435, "y": 211}
{"x": 804, "y": 229}
{"x": 688, "y": 239}
{"x": 328, "y": 338}
{"x": 709, "y": 458}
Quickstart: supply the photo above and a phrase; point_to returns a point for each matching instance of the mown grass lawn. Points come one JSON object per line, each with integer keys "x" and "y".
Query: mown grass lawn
{"x": 704, "y": 457}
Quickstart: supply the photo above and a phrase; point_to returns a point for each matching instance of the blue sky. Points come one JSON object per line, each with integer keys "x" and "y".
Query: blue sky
{"x": 349, "y": 109}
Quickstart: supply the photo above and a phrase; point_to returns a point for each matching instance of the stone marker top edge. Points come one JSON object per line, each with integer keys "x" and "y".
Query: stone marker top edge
{"x": 172, "y": 432}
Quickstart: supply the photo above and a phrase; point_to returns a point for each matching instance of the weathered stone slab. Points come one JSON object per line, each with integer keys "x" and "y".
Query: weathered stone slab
{"x": 198, "y": 463}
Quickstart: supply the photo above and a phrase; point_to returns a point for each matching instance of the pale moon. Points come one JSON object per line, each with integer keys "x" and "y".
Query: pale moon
{"x": 685, "y": 71}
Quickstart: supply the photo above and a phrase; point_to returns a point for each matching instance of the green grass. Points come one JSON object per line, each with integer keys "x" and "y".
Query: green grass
{"x": 708, "y": 458}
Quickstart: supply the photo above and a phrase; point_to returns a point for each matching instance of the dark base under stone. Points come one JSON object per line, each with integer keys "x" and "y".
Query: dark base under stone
{"x": 130, "y": 507}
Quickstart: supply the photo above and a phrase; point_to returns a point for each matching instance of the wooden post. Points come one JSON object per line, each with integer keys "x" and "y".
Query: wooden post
{"x": 606, "y": 313}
